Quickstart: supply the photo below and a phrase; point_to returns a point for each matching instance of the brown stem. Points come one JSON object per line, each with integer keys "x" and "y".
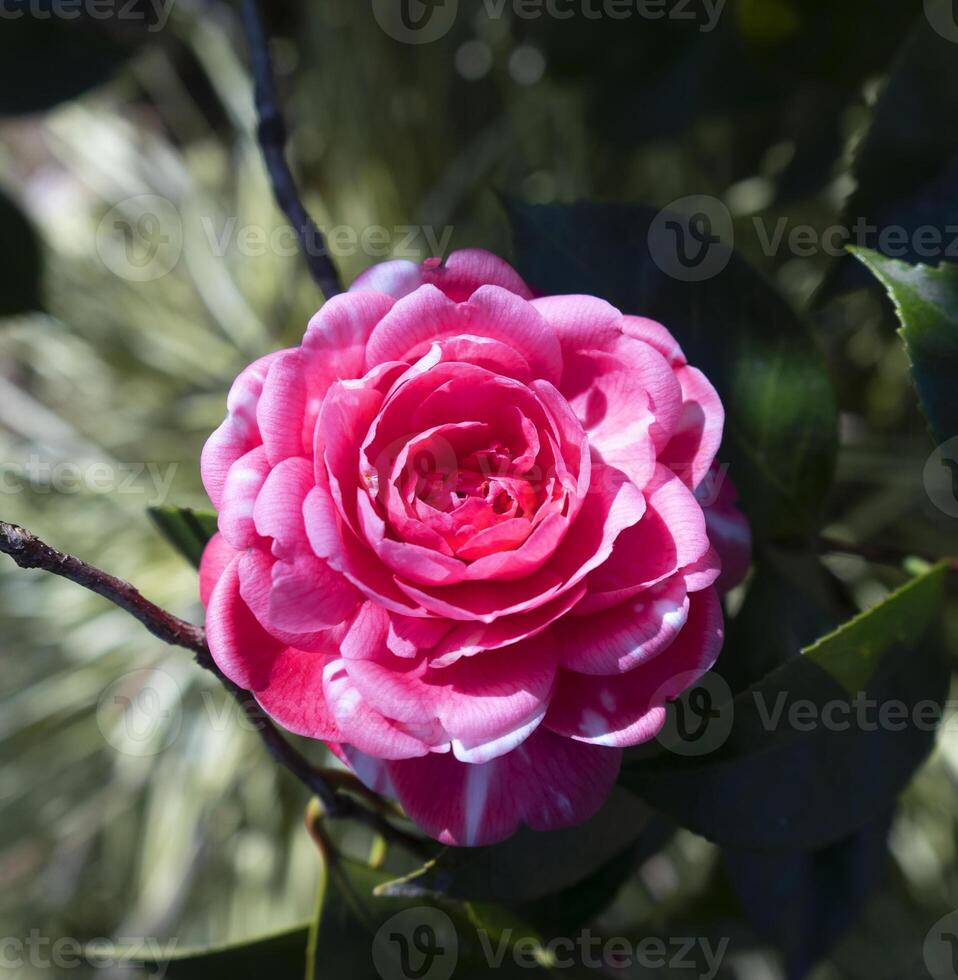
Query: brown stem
{"x": 28, "y": 551}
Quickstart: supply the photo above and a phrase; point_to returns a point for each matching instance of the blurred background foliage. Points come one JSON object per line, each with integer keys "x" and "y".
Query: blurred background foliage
{"x": 192, "y": 833}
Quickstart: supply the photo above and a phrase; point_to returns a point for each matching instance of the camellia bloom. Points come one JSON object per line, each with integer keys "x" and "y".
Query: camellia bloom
{"x": 465, "y": 540}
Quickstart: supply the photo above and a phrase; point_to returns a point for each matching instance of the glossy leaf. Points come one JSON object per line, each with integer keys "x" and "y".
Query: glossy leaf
{"x": 51, "y": 51}
{"x": 805, "y": 901}
{"x": 781, "y": 422}
{"x": 905, "y": 202}
{"x": 926, "y": 301}
{"x": 822, "y": 744}
{"x": 186, "y": 529}
{"x": 365, "y": 935}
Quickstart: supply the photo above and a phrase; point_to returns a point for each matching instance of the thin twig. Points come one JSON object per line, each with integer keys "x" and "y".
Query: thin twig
{"x": 272, "y": 135}
{"x": 28, "y": 551}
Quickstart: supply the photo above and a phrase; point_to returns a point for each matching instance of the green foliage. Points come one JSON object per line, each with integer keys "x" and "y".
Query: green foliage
{"x": 62, "y": 57}
{"x": 186, "y": 529}
{"x": 20, "y": 261}
{"x": 811, "y": 756}
{"x": 780, "y": 408}
{"x": 530, "y": 865}
{"x": 926, "y": 301}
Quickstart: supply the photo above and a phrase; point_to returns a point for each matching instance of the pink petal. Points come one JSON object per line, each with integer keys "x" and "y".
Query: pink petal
{"x": 256, "y": 570}
{"x": 286, "y": 682}
{"x": 281, "y": 409}
{"x": 581, "y": 322}
{"x": 728, "y": 528}
{"x": 278, "y": 512}
{"x": 428, "y": 315}
{"x": 361, "y": 725}
{"x": 698, "y": 434}
{"x": 476, "y": 701}
{"x": 308, "y": 596}
{"x": 408, "y": 636}
{"x": 458, "y": 277}
{"x": 468, "y": 269}
{"x": 671, "y": 536}
{"x": 612, "y": 505}
{"x": 395, "y": 278}
{"x": 412, "y": 561}
{"x": 546, "y": 783}
{"x": 619, "y": 639}
{"x": 484, "y": 352}
{"x": 237, "y": 503}
{"x": 655, "y": 335}
{"x": 217, "y": 554}
{"x": 239, "y": 433}
{"x": 347, "y": 412}
{"x": 468, "y": 639}
{"x": 627, "y": 709}
{"x": 629, "y": 402}
{"x": 334, "y": 347}
{"x": 705, "y": 572}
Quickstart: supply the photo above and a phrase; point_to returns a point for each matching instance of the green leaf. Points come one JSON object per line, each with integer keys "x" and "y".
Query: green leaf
{"x": 926, "y": 301}
{"x": 186, "y": 529}
{"x": 811, "y": 757}
{"x": 804, "y": 902}
{"x": 790, "y": 603}
{"x": 20, "y": 261}
{"x": 46, "y": 59}
{"x": 281, "y": 954}
{"x": 906, "y": 168}
{"x": 781, "y": 419}
{"x": 364, "y": 935}
{"x": 530, "y": 865}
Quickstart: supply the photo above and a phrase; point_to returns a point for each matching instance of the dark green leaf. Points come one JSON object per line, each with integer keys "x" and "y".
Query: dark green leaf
{"x": 186, "y": 529}
{"x": 780, "y": 436}
{"x": 282, "y": 954}
{"x": 807, "y": 760}
{"x": 926, "y": 301}
{"x": 805, "y": 901}
{"x": 20, "y": 261}
{"x": 364, "y": 935}
{"x": 789, "y": 604}
{"x": 46, "y": 59}
{"x": 906, "y": 168}
{"x": 530, "y": 865}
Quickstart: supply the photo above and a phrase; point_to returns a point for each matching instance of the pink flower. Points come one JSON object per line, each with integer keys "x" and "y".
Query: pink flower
{"x": 460, "y": 540}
